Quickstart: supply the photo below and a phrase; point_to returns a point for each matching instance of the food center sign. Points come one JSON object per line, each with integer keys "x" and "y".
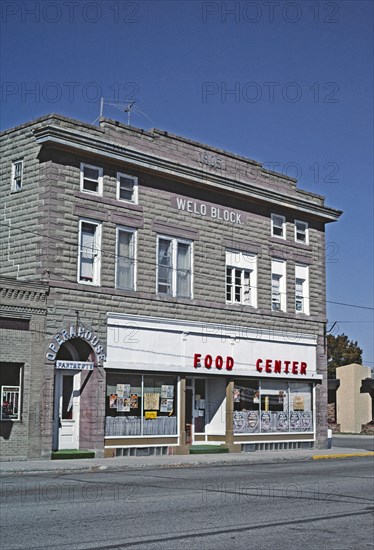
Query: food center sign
{"x": 155, "y": 344}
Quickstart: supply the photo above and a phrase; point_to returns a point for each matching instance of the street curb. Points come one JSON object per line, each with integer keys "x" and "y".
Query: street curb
{"x": 342, "y": 455}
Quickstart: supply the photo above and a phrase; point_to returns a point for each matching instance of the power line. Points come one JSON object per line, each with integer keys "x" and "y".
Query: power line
{"x": 349, "y": 305}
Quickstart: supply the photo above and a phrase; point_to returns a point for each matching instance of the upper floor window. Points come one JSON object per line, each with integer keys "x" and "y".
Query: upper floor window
{"x": 278, "y": 226}
{"x": 91, "y": 179}
{"x": 241, "y": 278}
{"x": 174, "y": 267}
{"x": 278, "y": 285}
{"x": 89, "y": 252}
{"x": 302, "y": 289}
{"x": 126, "y": 259}
{"x": 17, "y": 173}
{"x": 127, "y": 188}
{"x": 301, "y": 232}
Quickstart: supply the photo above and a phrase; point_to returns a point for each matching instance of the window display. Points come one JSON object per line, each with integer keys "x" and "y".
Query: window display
{"x": 141, "y": 405}
{"x": 269, "y": 406}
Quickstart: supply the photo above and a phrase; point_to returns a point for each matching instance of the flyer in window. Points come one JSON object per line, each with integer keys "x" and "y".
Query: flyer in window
{"x": 134, "y": 401}
{"x": 167, "y": 392}
{"x": 236, "y": 395}
{"x": 126, "y": 404}
{"x": 120, "y": 404}
{"x": 151, "y": 401}
{"x": 123, "y": 390}
{"x": 164, "y": 405}
{"x": 113, "y": 401}
{"x": 298, "y": 403}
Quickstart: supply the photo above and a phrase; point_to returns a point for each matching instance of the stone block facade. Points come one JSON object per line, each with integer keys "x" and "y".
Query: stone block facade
{"x": 40, "y": 232}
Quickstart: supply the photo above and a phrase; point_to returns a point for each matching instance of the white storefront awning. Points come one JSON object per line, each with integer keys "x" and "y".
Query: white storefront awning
{"x": 149, "y": 344}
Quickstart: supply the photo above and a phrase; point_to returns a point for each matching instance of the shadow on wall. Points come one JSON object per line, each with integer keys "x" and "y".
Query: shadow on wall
{"x": 6, "y": 429}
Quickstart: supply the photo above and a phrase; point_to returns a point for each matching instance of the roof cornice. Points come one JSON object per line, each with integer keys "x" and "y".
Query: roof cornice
{"x": 72, "y": 139}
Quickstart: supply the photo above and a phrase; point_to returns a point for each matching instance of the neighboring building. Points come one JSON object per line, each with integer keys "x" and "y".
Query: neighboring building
{"x": 186, "y": 292}
{"x": 353, "y": 402}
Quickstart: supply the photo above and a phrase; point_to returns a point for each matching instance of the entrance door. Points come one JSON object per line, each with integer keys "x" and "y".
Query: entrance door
{"x": 67, "y": 385}
{"x": 195, "y": 408}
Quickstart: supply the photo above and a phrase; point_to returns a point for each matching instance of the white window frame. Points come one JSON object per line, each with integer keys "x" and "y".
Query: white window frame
{"x": 175, "y": 241}
{"x": 305, "y": 224}
{"x": 278, "y": 269}
{"x": 13, "y": 388}
{"x": 134, "y": 234}
{"x": 244, "y": 262}
{"x": 97, "y": 245}
{"x": 273, "y": 226}
{"x": 99, "y": 179}
{"x": 15, "y": 188}
{"x": 302, "y": 274}
{"x": 134, "y": 200}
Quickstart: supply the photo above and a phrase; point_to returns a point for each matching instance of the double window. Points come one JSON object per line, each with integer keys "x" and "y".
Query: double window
{"x": 89, "y": 252}
{"x": 91, "y": 179}
{"x": 302, "y": 289}
{"x": 278, "y": 226}
{"x": 174, "y": 267}
{"x": 127, "y": 188}
{"x": 126, "y": 259}
{"x": 241, "y": 278}
{"x": 17, "y": 173}
{"x": 278, "y": 285}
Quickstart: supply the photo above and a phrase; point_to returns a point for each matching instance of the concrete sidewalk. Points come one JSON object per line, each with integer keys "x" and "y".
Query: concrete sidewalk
{"x": 57, "y": 467}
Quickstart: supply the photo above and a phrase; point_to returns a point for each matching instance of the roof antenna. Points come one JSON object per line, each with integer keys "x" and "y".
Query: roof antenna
{"x": 128, "y": 108}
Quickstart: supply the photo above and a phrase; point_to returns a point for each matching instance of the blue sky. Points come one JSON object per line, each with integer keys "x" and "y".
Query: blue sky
{"x": 289, "y": 84}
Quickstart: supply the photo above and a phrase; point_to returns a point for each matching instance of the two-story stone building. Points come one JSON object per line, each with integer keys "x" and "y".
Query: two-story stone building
{"x": 184, "y": 293}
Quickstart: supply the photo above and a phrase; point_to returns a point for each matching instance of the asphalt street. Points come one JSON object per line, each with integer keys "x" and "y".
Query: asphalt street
{"x": 364, "y": 442}
{"x": 289, "y": 505}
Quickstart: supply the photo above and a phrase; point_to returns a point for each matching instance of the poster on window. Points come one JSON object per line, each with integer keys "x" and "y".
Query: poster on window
{"x": 167, "y": 392}
{"x": 298, "y": 403}
{"x": 126, "y": 404}
{"x": 134, "y": 401}
{"x": 113, "y": 401}
{"x": 282, "y": 421}
{"x": 166, "y": 405}
{"x": 236, "y": 395}
{"x": 239, "y": 422}
{"x": 306, "y": 420}
{"x": 120, "y": 404}
{"x": 151, "y": 401}
{"x": 294, "y": 421}
{"x": 252, "y": 420}
{"x": 123, "y": 390}
{"x": 265, "y": 421}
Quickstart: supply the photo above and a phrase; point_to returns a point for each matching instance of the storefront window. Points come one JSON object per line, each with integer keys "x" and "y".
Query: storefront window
{"x": 301, "y": 411}
{"x": 274, "y": 406}
{"x": 269, "y": 406}
{"x": 139, "y": 405}
{"x": 246, "y": 406}
{"x": 160, "y": 405}
{"x": 200, "y": 405}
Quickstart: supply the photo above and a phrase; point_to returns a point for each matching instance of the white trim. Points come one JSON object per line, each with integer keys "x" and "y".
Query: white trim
{"x": 13, "y": 187}
{"x": 283, "y": 218}
{"x": 99, "y": 179}
{"x": 97, "y": 244}
{"x": 279, "y": 269}
{"x": 134, "y": 233}
{"x": 174, "y": 251}
{"x": 136, "y": 446}
{"x": 135, "y": 189}
{"x": 302, "y": 273}
{"x": 142, "y": 437}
